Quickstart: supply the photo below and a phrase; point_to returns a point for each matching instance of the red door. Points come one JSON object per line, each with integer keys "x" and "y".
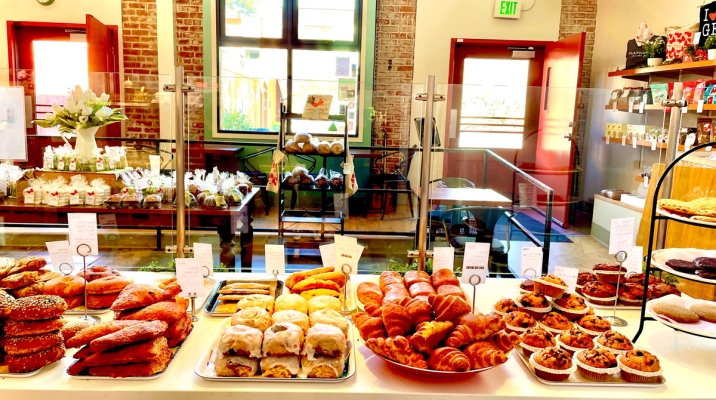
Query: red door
{"x": 102, "y": 65}
{"x": 558, "y": 119}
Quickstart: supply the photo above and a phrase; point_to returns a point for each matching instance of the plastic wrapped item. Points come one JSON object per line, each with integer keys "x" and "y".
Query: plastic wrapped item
{"x": 189, "y": 200}
{"x": 114, "y": 201}
{"x": 324, "y": 147}
{"x": 243, "y": 188}
{"x": 321, "y": 180}
{"x": 292, "y": 147}
{"x": 233, "y": 196}
{"x": 153, "y": 201}
{"x": 298, "y": 172}
{"x": 336, "y": 180}
{"x": 302, "y": 137}
{"x": 337, "y": 147}
{"x": 290, "y": 180}
{"x": 132, "y": 200}
{"x": 310, "y": 147}
{"x": 307, "y": 181}
{"x": 102, "y": 191}
{"x": 34, "y": 193}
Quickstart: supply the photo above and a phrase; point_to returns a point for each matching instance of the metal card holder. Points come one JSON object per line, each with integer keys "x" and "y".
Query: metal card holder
{"x": 83, "y": 250}
{"x": 621, "y": 256}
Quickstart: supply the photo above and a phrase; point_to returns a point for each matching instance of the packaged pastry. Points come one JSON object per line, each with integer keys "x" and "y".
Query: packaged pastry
{"x": 292, "y": 147}
{"x": 189, "y": 200}
{"x": 321, "y": 180}
{"x": 236, "y": 366}
{"x": 323, "y": 367}
{"x": 153, "y": 201}
{"x": 336, "y": 180}
{"x": 290, "y": 180}
{"x": 324, "y": 147}
{"x": 283, "y": 339}
{"x": 307, "y": 181}
{"x": 241, "y": 340}
{"x": 132, "y": 200}
{"x": 295, "y": 317}
{"x": 310, "y": 147}
{"x": 302, "y": 137}
{"x": 337, "y": 147}
{"x": 280, "y": 367}
{"x": 114, "y": 201}
{"x": 324, "y": 340}
{"x": 299, "y": 172}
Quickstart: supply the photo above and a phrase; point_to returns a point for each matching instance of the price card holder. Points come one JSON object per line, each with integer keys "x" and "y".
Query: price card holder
{"x": 475, "y": 262}
{"x": 443, "y": 258}
{"x": 634, "y": 259}
{"x": 347, "y": 251}
{"x": 83, "y": 230}
{"x": 275, "y": 259}
{"x": 60, "y": 253}
{"x": 204, "y": 252}
{"x": 328, "y": 254}
{"x": 190, "y": 276}
{"x": 621, "y": 235}
{"x": 568, "y": 275}
{"x": 531, "y": 262}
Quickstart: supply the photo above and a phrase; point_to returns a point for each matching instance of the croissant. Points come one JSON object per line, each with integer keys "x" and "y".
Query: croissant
{"x": 452, "y": 290}
{"x": 421, "y": 289}
{"x": 448, "y": 308}
{"x": 369, "y": 292}
{"x": 395, "y": 293}
{"x": 397, "y": 321}
{"x": 389, "y": 278}
{"x": 473, "y": 328}
{"x": 429, "y": 335}
{"x": 413, "y": 277}
{"x": 369, "y": 327}
{"x": 484, "y": 354}
{"x": 397, "y": 349}
{"x": 449, "y": 359}
{"x": 419, "y": 310}
{"x": 505, "y": 341}
{"x": 444, "y": 277}
{"x": 374, "y": 310}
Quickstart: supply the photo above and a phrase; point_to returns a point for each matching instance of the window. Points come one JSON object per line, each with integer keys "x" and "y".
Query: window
{"x": 283, "y": 50}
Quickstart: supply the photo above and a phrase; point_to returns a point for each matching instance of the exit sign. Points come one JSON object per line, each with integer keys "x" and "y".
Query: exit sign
{"x": 507, "y": 9}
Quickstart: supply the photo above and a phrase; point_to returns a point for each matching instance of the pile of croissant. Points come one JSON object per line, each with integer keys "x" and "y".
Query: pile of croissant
{"x": 428, "y": 328}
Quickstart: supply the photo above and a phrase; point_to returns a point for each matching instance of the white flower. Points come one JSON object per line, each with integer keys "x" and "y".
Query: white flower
{"x": 83, "y": 119}
{"x": 103, "y": 113}
{"x": 90, "y": 95}
{"x": 50, "y": 116}
{"x": 72, "y": 107}
{"x": 77, "y": 93}
{"x": 87, "y": 111}
{"x": 56, "y": 108}
{"x": 104, "y": 97}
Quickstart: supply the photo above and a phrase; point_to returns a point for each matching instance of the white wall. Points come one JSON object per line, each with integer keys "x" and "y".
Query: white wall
{"x": 617, "y": 23}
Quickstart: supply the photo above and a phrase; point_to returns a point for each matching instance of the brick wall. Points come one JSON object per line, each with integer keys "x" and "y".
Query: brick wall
{"x": 139, "y": 42}
{"x": 395, "y": 46}
{"x": 190, "y": 54}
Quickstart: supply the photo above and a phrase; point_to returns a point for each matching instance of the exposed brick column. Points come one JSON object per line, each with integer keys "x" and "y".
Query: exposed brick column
{"x": 190, "y": 54}
{"x": 395, "y": 48}
{"x": 139, "y": 41}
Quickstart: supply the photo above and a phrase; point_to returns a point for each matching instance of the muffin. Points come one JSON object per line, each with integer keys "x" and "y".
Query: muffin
{"x": 614, "y": 342}
{"x": 582, "y": 278}
{"x": 609, "y": 273}
{"x": 574, "y": 340}
{"x": 550, "y": 285}
{"x": 657, "y": 290}
{"x": 552, "y": 364}
{"x": 571, "y": 306}
{"x": 534, "y": 304}
{"x": 555, "y": 322}
{"x": 639, "y": 366}
{"x": 505, "y": 306}
{"x": 536, "y": 339}
{"x": 593, "y": 325}
{"x": 631, "y": 294}
{"x": 639, "y": 278}
{"x": 518, "y": 322}
{"x": 596, "y": 364}
{"x": 527, "y": 286}
{"x": 599, "y": 293}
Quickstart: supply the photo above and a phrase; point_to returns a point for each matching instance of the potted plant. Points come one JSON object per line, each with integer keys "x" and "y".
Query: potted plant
{"x": 655, "y": 51}
{"x": 710, "y": 45}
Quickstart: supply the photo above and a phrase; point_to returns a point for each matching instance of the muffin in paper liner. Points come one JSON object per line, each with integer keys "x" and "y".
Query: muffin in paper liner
{"x": 500, "y": 313}
{"x": 528, "y": 350}
{"x": 578, "y": 289}
{"x": 554, "y": 375}
{"x": 610, "y": 276}
{"x": 630, "y": 302}
{"x": 588, "y": 331}
{"x": 553, "y": 330}
{"x": 609, "y": 349}
{"x": 549, "y": 289}
{"x": 594, "y": 373}
{"x": 516, "y": 329}
{"x": 535, "y": 312}
{"x": 570, "y": 313}
{"x": 600, "y": 301}
{"x": 569, "y": 349}
{"x": 636, "y": 376}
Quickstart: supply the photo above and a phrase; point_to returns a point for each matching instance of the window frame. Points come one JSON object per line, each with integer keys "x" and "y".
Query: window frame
{"x": 288, "y": 42}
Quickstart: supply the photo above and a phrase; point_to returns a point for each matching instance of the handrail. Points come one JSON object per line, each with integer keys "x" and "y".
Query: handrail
{"x": 520, "y": 172}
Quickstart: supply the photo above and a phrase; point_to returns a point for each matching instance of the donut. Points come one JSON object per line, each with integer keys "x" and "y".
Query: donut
{"x": 97, "y": 272}
{"x": 19, "y": 345}
{"x": 37, "y": 307}
{"x": 34, "y": 361}
{"x": 26, "y": 328}
{"x": 74, "y": 301}
{"x": 108, "y": 285}
{"x": 100, "y": 301}
{"x": 65, "y": 286}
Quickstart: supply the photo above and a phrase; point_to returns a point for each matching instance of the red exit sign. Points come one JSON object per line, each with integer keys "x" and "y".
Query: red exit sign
{"x": 507, "y": 9}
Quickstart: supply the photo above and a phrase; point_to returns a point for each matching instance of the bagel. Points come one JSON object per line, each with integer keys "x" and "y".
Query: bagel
{"x": 65, "y": 286}
{"x": 100, "y": 301}
{"x": 33, "y": 361}
{"x": 97, "y": 272}
{"x": 37, "y": 307}
{"x": 74, "y": 301}
{"x": 108, "y": 285}
{"x": 19, "y": 345}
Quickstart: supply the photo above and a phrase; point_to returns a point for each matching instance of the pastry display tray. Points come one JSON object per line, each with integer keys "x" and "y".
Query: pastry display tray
{"x": 81, "y": 311}
{"x": 212, "y": 307}
{"x": 575, "y": 379}
{"x": 205, "y": 366}
{"x": 660, "y": 257}
{"x": 701, "y": 328}
{"x": 18, "y": 375}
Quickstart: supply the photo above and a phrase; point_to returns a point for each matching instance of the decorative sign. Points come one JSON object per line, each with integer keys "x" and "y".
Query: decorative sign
{"x": 707, "y": 24}
{"x": 13, "y": 139}
{"x": 507, "y": 9}
{"x": 346, "y": 252}
{"x": 568, "y": 275}
{"x": 477, "y": 256}
{"x": 60, "y": 254}
{"x": 634, "y": 260}
{"x": 328, "y": 254}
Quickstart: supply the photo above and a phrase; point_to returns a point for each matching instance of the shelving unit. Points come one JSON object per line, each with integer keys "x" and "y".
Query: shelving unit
{"x": 673, "y": 71}
{"x": 298, "y": 218}
{"x": 640, "y": 143}
{"x": 656, "y": 107}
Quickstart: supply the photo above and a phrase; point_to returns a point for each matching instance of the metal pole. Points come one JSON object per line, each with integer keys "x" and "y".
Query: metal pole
{"x": 179, "y": 122}
{"x": 425, "y": 173}
{"x": 671, "y": 149}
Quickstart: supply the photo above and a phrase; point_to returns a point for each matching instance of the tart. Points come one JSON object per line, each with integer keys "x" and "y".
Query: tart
{"x": 593, "y": 325}
{"x": 639, "y": 278}
{"x": 574, "y": 340}
{"x": 631, "y": 294}
{"x": 555, "y": 322}
{"x": 552, "y": 364}
{"x": 527, "y": 286}
{"x": 571, "y": 306}
{"x": 505, "y": 306}
{"x": 550, "y": 285}
{"x": 599, "y": 293}
{"x": 534, "y": 304}
{"x": 609, "y": 273}
{"x": 614, "y": 342}
{"x": 536, "y": 339}
{"x": 596, "y": 364}
{"x": 518, "y": 321}
{"x": 639, "y": 366}
{"x": 582, "y": 278}
{"x": 662, "y": 289}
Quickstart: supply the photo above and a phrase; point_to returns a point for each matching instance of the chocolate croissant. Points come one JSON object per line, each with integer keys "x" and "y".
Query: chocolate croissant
{"x": 369, "y": 327}
{"x": 448, "y": 308}
{"x": 449, "y": 359}
{"x": 429, "y": 335}
{"x": 397, "y": 321}
{"x": 504, "y": 341}
{"x": 484, "y": 354}
{"x": 419, "y": 310}
{"x": 397, "y": 349}
{"x": 473, "y": 328}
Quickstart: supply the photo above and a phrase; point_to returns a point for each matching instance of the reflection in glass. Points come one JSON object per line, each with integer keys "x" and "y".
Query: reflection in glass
{"x": 254, "y": 18}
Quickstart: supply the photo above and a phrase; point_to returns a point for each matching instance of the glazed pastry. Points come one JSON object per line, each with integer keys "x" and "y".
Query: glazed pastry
{"x": 323, "y": 367}
{"x": 421, "y": 289}
{"x": 451, "y": 290}
{"x": 312, "y": 283}
{"x": 240, "y": 340}
{"x": 330, "y": 317}
{"x": 394, "y": 293}
{"x": 280, "y": 367}
{"x": 444, "y": 277}
{"x": 505, "y": 306}
{"x": 375, "y": 310}
{"x": 291, "y": 302}
{"x": 369, "y": 327}
{"x": 484, "y": 354}
{"x": 419, "y": 310}
{"x": 449, "y": 359}
{"x": 369, "y": 292}
{"x": 396, "y": 319}
{"x": 389, "y": 278}
{"x": 283, "y": 339}
{"x": 397, "y": 349}
{"x": 235, "y": 366}
{"x": 504, "y": 341}
{"x": 413, "y": 277}
{"x": 473, "y": 328}
{"x": 324, "y": 303}
{"x": 324, "y": 340}
{"x": 296, "y": 277}
{"x": 429, "y": 335}
{"x": 295, "y": 317}
{"x": 255, "y": 317}
{"x": 448, "y": 308}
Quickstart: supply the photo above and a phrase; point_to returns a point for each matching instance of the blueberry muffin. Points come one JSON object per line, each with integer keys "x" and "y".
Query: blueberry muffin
{"x": 536, "y": 339}
{"x": 548, "y": 361}
{"x": 574, "y": 340}
{"x": 582, "y": 278}
{"x": 594, "y": 324}
{"x": 505, "y": 306}
{"x": 555, "y": 322}
{"x": 615, "y": 342}
{"x": 596, "y": 364}
{"x": 550, "y": 285}
{"x": 518, "y": 321}
{"x": 639, "y": 366}
{"x": 571, "y": 306}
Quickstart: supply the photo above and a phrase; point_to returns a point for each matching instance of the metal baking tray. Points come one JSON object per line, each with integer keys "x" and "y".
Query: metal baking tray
{"x": 575, "y": 379}
{"x": 18, "y": 375}
{"x": 81, "y": 311}
{"x": 205, "y": 366}
{"x": 212, "y": 300}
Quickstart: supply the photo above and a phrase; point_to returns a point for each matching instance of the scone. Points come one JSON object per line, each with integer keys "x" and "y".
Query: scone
{"x": 291, "y": 302}
{"x": 292, "y": 316}
{"x": 283, "y": 339}
{"x": 235, "y": 366}
{"x": 255, "y": 317}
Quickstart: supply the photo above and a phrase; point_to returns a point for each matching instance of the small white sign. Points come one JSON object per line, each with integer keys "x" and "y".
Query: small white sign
{"x": 653, "y": 145}
{"x": 700, "y": 107}
{"x": 346, "y": 253}
{"x": 275, "y": 259}
{"x": 443, "y": 258}
{"x": 623, "y": 140}
{"x": 61, "y": 254}
{"x": 531, "y": 262}
{"x": 328, "y": 254}
{"x": 634, "y": 260}
{"x": 83, "y": 231}
{"x": 641, "y": 107}
{"x": 621, "y": 235}
{"x": 646, "y": 181}
{"x": 204, "y": 252}
{"x": 568, "y": 275}
{"x": 475, "y": 262}
{"x": 608, "y": 138}
{"x": 634, "y": 142}
{"x": 190, "y": 276}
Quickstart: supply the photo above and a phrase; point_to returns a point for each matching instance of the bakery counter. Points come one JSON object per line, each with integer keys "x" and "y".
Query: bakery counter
{"x": 687, "y": 362}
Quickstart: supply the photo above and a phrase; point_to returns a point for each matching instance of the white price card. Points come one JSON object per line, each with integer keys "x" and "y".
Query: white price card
{"x": 653, "y": 145}
{"x": 608, "y": 138}
{"x": 443, "y": 258}
{"x": 475, "y": 262}
{"x": 531, "y": 262}
{"x": 568, "y": 275}
{"x": 634, "y": 259}
{"x": 641, "y": 107}
{"x": 614, "y": 107}
{"x": 700, "y": 107}
{"x": 204, "y": 252}
{"x": 346, "y": 253}
{"x": 190, "y": 276}
{"x": 328, "y": 254}
{"x": 275, "y": 259}
{"x": 621, "y": 235}
{"x": 623, "y": 140}
{"x": 61, "y": 254}
{"x": 83, "y": 231}
{"x": 646, "y": 181}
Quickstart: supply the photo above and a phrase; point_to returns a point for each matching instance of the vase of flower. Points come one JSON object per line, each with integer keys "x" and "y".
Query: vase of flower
{"x": 85, "y": 145}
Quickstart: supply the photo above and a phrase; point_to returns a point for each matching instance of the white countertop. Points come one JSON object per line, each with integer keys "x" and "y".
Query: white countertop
{"x": 689, "y": 364}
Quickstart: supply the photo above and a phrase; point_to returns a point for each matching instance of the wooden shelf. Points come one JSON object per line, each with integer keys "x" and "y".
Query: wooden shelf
{"x": 642, "y": 74}
{"x": 656, "y": 107}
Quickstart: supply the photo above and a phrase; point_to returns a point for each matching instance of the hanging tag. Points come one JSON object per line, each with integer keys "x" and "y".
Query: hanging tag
{"x": 54, "y": 199}
{"x": 275, "y": 259}
{"x": 653, "y": 145}
{"x": 75, "y": 197}
{"x": 621, "y": 235}
{"x": 608, "y": 137}
{"x": 646, "y": 181}
{"x": 700, "y": 106}
{"x": 443, "y": 258}
{"x": 531, "y": 262}
{"x": 99, "y": 164}
{"x": 623, "y": 140}
{"x": 634, "y": 142}
{"x": 29, "y": 195}
{"x": 190, "y": 276}
{"x": 641, "y": 107}
{"x": 475, "y": 262}
{"x": 204, "y": 252}
{"x": 568, "y": 275}
{"x": 61, "y": 163}
{"x": 48, "y": 162}
{"x": 73, "y": 164}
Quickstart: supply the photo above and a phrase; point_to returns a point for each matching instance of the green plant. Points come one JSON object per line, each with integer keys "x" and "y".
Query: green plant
{"x": 82, "y": 109}
{"x": 655, "y": 49}
{"x": 670, "y": 279}
{"x": 235, "y": 121}
{"x": 171, "y": 266}
{"x": 691, "y": 50}
{"x": 244, "y": 7}
{"x": 710, "y": 43}
{"x": 402, "y": 268}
